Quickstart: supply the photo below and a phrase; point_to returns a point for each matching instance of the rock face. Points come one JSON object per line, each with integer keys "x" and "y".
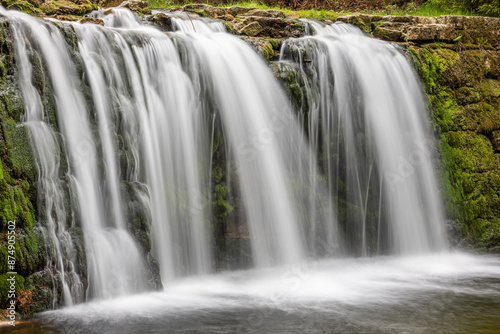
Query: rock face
{"x": 61, "y": 9}
{"x": 473, "y": 32}
{"x": 253, "y": 22}
{"x": 464, "y": 91}
{"x": 470, "y": 31}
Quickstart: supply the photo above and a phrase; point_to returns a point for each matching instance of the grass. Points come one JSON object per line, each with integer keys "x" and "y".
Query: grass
{"x": 430, "y": 8}
{"x": 309, "y": 13}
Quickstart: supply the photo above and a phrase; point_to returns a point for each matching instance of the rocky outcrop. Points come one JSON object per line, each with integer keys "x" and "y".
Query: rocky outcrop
{"x": 61, "y": 9}
{"x": 253, "y": 22}
{"x": 463, "y": 87}
{"x": 471, "y": 31}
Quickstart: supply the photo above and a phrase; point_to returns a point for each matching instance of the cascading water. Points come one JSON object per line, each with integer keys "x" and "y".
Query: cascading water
{"x": 112, "y": 255}
{"x": 368, "y": 122}
{"x": 137, "y": 112}
{"x": 52, "y": 202}
{"x": 137, "y": 116}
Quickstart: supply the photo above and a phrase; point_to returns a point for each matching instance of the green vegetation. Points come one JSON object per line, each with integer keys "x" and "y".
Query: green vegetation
{"x": 471, "y": 7}
{"x": 428, "y": 8}
{"x": 425, "y": 8}
{"x": 320, "y": 14}
{"x": 466, "y": 109}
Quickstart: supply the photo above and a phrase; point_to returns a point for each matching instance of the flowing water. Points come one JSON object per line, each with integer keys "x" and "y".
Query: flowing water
{"x": 133, "y": 126}
{"x": 358, "y": 88}
{"x": 444, "y": 293}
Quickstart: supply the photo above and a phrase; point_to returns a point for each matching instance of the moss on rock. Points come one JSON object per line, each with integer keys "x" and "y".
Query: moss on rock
{"x": 464, "y": 95}
{"x": 25, "y": 6}
{"x": 63, "y": 7}
{"x": 5, "y": 287}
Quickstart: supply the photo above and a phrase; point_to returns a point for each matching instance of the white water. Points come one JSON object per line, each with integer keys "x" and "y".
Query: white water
{"x": 154, "y": 101}
{"x": 53, "y": 211}
{"x": 112, "y": 256}
{"x": 367, "y": 105}
{"x": 446, "y": 293}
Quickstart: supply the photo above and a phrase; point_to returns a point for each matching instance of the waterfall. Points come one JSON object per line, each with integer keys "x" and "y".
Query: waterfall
{"x": 112, "y": 256}
{"x": 52, "y": 206}
{"x": 368, "y": 121}
{"x": 125, "y": 127}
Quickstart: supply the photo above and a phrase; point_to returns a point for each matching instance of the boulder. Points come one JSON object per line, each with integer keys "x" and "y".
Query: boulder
{"x": 92, "y": 20}
{"x": 134, "y": 5}
{"x": 163, "y": 21}
{"x": 257, "y": 26}
{"x": 65, "y": 7}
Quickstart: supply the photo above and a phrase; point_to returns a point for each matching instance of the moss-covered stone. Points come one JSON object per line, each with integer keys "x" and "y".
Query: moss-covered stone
{"x": 14, "y": 202}
{"x": 5, "y": 287}
{"x": 464, "y": 95}
{"x": 26, "y": 7}
{"x": 20, "y": 154}
{"x": 45, "y": 289}
{"x": 64, "y": 7}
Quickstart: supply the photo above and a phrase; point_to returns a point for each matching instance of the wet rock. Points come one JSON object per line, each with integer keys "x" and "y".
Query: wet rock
{"x": 163, "y": 21}
{"x": 46, "y": 291}
{"x": 153, "y": 274}
{"x": 362, "y": 21}
{"x": 92, "y": 20}
{"x": 267, "y": 48}
{"x": 270, "y": 27}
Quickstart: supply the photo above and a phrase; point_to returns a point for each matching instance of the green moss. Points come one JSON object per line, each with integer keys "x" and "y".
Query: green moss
{"x": 20, "y": 154}
{"x": 268, "y": 51}
{"x": 14, "y": 204}
{"x": 292, "y": 80}
{"x": 5, "y": 287}
{"x": 479, "y": 117}
{"x": 11, "y": 103}
{"x": 221, "y": 203}
{"x": 26, "y": 7}
{"x": 230, "y": 28}
{"x": 63, "y": 7}
{"x": 27, "y": 252}
{"x": 361, "y": 23}
{"x": 465, "y": 104}
{"x": 44, "y": 287}
{"x": 471, "y": 152}
{"x": 4, "y": 256}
